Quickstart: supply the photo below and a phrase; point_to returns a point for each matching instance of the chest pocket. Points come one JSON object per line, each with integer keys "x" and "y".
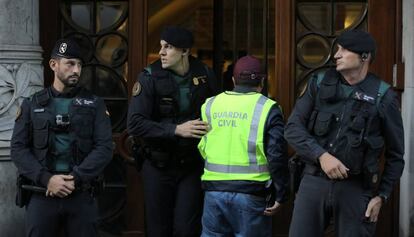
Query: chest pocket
{"x": 40, "y": 133}
{"x": 200, "y": 90}
{"x": 83, "y": 121}
{"x": 323, "y": 123}
{"x": 166, "y": 90}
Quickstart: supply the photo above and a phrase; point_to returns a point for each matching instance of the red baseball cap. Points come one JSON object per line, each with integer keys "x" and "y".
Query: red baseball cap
{"x": 248, "y": 68}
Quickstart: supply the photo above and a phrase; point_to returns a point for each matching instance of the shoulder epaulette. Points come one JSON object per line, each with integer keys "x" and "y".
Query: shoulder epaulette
{"x": 42, "y": 97}
{"x": 381, "y": 91}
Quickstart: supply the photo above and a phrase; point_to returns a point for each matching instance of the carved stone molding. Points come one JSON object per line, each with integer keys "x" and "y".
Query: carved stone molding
{"x": 17, "y": 81}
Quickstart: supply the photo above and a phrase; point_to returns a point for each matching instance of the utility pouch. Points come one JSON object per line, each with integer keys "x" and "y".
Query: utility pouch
{"x": 371, "y": 178}
{"x": 167, "y": 107}
{"x": 22, "y": 195}
{"x": 296, "y": 167}
{"x": 371, "y": 166}
{"x": 322, "y": 123}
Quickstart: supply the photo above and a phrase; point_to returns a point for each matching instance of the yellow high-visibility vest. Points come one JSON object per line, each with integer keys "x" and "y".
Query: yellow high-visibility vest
{"x": 233, "y": 148}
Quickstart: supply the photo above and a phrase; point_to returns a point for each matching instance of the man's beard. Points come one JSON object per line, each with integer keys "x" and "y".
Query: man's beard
{"x": 70, "y": 82}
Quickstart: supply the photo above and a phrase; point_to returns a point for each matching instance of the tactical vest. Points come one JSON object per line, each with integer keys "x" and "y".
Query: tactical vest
{"x": 43, "y": 127}
{"x": 347, "y": 122}
{"x": 167, "y": 91}
{"x": 167, "y": 110}
{"x": 234, "y": 147}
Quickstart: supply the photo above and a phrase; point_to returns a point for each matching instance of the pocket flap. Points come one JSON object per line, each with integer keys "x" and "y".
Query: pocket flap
{"x": 322, "y": 124}
{"x": 39, "y": 124}
{"x": 375, "y": 142}
{"x": 165, "y": 86}
{"x": 324, "y": 116}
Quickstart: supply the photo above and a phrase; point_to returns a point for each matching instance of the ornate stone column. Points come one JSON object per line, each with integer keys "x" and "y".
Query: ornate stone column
{"x": 407, "y": 179}
{"x": 21, "y": 74}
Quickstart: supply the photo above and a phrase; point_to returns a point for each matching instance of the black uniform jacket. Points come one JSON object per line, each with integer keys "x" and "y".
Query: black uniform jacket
{"x": 145, "y": 121}
{"x": 92, "y": 165}
{"x": 276, "y": 154}
{"x": 307, "y": 147}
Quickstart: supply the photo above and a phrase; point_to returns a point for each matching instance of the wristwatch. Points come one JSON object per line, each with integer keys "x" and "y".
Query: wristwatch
{"x": 384, "y": 198}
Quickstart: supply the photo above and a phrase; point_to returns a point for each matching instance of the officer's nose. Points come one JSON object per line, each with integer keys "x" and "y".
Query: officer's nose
{"x": 162, "y": 51}
{"x": 77, "y": 69}
{"x": 338, "y": 54}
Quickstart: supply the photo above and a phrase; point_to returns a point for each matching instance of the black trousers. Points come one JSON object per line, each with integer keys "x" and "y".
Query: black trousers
{"x": 173, "y": 200}
{"x": 320, "y": 199}
{"x": 75, "y": 215}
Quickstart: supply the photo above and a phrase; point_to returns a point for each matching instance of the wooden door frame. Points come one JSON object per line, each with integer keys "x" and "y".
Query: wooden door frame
{"x": 137, "y": 60}
{"x": 285, "y": 54}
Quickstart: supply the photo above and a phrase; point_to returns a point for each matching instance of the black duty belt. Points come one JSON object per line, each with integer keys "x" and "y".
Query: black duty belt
{"x": 317, "y": 171}
{"x": 38, "y": 189}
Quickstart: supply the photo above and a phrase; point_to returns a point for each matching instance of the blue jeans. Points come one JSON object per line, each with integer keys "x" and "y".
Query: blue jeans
{"x": 235, "y": 214}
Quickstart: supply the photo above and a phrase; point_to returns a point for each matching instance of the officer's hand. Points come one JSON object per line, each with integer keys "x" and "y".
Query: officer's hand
{"x": 333, "y": 167}
{"x": 192, "y": 129}
{"x": 373, "y": 209}
{"x": 270, "y": 211}
{"x": 60, "y": 186}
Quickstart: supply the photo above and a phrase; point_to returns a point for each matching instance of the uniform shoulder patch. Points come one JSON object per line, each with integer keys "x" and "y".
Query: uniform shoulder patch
{"x": 303, "y": 89}
{"x": 19, "y": 113}
{"x": 136, "y": 89}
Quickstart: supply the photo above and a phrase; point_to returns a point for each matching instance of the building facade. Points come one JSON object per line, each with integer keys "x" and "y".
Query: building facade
{"x": 295, "y": 38}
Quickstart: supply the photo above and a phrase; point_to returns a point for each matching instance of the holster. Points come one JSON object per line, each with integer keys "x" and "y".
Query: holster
{"x": 139, "y": 152}
{"x": 296, "y": 167}
{"x": 96, "y": 186}
{"x": 371, "y": 177}
{"x": 22, "y": 195}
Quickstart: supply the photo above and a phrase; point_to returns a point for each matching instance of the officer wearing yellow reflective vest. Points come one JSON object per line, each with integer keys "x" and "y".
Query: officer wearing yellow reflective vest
{"x": 245, "y": 157}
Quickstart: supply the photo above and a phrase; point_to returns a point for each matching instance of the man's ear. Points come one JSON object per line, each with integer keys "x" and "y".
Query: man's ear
{"x": 52, "y": 64}
{"x": 186, "y": 51}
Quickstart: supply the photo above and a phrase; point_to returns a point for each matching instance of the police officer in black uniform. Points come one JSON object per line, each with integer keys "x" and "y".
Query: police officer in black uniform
{"x": 164, "y": 113}
{"x": 339, "y": 128}
{"x": 61, "y": 143}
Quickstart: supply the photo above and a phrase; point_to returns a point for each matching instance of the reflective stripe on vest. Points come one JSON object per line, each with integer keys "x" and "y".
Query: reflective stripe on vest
{"x": 253, "y": 167}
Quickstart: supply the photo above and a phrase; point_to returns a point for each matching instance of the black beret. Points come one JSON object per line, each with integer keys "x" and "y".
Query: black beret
{"x": 66, "y": 48}
{"x": 177, "y": 37}
{"x": 357, "y": 41}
